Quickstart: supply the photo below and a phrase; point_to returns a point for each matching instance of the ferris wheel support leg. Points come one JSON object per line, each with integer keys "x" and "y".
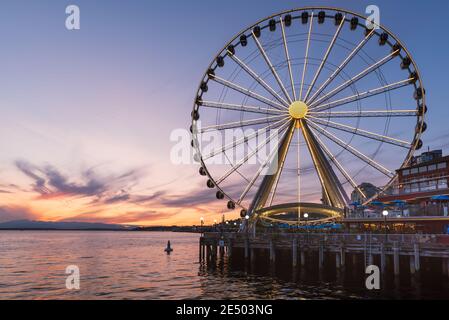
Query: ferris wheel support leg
{"x": 268, "y": 181}
{"x": 334, "y": 193}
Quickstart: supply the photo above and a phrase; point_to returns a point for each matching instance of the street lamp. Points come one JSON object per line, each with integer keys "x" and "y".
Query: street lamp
{"x": 246, "y": 223}
{"x": 385, "y": 214}
{"x": 306, "y": 216}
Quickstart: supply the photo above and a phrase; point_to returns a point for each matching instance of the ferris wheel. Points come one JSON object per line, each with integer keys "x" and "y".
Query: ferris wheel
{"x": 345, "y": 101}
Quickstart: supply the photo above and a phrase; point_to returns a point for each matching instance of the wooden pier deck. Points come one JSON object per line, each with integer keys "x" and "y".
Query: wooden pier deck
{"x": 337, "y": 249}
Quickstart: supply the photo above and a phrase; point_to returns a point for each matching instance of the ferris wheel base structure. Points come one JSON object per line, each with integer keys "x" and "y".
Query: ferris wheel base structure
{"x": 279, "y": 213}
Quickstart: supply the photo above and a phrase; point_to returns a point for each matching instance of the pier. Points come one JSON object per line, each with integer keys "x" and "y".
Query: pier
{"x": 393, "y": 253}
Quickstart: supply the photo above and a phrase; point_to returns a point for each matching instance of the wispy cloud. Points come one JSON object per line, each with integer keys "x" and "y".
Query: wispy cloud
{"x": 49, "y": 182}
{"x": 125, "y": 197}
{"x": 197, "y": 197}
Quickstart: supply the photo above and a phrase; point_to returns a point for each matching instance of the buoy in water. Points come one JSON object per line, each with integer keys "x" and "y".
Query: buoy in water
{"x": 168, "y": 249}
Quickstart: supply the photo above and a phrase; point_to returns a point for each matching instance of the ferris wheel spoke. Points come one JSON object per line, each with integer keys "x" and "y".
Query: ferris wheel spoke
{"x": 247, "y": 92}
{"x": 363, "y": 133}
{"x": 239, "y": 107}
{"x": 250, "y": 155}
{"x": 323, "y": 62}
{"x": 243, "y": 123}
{"x": 266, "y": 185}
{"x": 359, "y": 76}
{"x": 362, "y": 95}
{"x": 333, "y": 191}
{"x": 257, "y": 174}
{"x": 259, "y": 80}
{"x": 276, "y": 180}
{"x": 306, "y": 58}
{"x": 341, "y": 66}
{"x": 242, "y": 140}
{"x": 287, "y": 56}
{"x": 340, "y": 167}
{"x": 273, "y": 193}
{"x": 270, "y": 65}
{"x": 364, "y": 114}
{"x": 352, "y": 150}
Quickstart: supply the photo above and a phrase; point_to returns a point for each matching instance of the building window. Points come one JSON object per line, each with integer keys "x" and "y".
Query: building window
{"x": 442, "y": 165}
{"x": 406, "y": 172}
{"x": 432, "y": 167}
{"x": 424, "y": 186}
{"x": 414, "y": 170}
{"x": 422, "y": 169}
{"x": 415, "y": 187}
{"x": 442, "y": 184}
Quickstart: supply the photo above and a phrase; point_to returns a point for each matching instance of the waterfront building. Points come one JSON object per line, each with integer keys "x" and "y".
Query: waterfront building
{"x": 419, "y": 183}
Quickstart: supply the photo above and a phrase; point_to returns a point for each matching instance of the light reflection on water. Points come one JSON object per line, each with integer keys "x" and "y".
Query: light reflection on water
{"x": 133, "y": 265}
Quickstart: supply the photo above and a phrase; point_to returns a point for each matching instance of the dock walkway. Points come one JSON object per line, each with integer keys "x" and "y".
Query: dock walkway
{"x": 388, "y": 249}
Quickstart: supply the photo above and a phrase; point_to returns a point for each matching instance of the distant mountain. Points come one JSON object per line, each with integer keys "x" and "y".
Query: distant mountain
{"x": 43, "y": 225}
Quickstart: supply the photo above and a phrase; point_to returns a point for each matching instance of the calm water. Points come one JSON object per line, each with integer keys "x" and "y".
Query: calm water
{"x": 132, "y": 265}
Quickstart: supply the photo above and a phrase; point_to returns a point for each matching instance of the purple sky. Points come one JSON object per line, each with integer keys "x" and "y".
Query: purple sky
{"x": 90, "y": 112}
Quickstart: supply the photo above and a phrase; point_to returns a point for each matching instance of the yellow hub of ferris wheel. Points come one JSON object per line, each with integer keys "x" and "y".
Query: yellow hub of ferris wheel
{"x": 298, "y": 110}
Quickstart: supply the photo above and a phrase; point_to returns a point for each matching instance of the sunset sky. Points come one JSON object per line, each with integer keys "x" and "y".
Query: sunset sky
{"x": 86, "y": 115}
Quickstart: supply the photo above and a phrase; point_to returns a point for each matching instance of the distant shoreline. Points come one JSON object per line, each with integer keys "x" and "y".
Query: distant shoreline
{"x": 29, "y": 225}
{"x": 118, "y": 230}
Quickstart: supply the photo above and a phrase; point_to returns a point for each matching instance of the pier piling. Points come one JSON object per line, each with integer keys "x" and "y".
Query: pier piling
{"x": 246, "y": 248}
{"x": 412, "y": 265}
{"x": 396, "y": 258}
{"x": 354, "y": 259}
{"x": 321, "y": 256}
{"x": 342, "y": 256}
{"x": 338, "y": 260}
{"x": 294, "y": 252}
{"x": 215, "y": 250}
{"x": 303, "y": 256}
{"x": 208, "y": 252}
{"x": 383, "y": 262}
{"x": 417, "y": 258}
{"x": 272, "y": 251}
{"x": 445, "y": 266}
{"x": 419, "y": 251}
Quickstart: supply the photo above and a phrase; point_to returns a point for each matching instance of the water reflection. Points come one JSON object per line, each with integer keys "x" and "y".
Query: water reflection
{"x": 133, "y": 265}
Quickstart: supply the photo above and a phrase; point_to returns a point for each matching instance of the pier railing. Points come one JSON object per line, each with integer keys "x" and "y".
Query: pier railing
{"x": 336, "y": 238}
